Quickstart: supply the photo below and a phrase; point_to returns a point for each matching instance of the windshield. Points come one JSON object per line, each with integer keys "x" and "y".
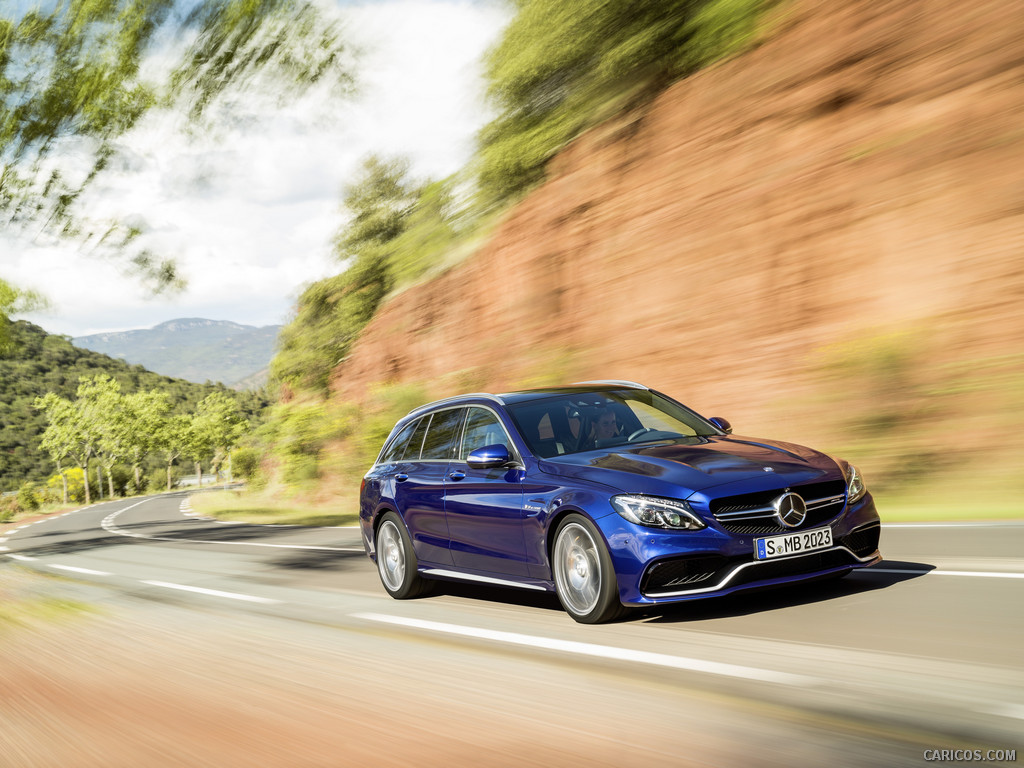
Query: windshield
{"x": 584, "y": 421}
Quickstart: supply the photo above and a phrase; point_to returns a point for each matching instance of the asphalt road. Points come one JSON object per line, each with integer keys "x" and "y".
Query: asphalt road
{"x": 922, "y": 652}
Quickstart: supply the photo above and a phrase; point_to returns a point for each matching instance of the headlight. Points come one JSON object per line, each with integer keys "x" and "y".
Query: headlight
{"x": 657, "y": 513}
{"x": 855, "y": 488}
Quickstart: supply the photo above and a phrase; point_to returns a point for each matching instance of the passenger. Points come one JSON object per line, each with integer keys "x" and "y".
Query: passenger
{"x": 607, "y": 425}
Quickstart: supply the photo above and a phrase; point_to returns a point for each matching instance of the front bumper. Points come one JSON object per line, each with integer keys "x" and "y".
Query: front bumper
{"x": 655, "y": 567}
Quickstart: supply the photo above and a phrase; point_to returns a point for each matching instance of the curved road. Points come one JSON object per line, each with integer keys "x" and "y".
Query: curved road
{"x": 922, "y": 652}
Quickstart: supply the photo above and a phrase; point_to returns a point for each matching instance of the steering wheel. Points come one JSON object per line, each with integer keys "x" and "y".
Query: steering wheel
{"x": 639, "y": 432}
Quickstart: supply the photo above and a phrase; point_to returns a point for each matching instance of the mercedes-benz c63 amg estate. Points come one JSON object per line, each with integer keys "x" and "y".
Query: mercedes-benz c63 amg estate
{"x": 611, "y": 495}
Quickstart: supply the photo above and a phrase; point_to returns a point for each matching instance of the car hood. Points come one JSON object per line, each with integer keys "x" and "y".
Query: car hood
{"x": 680, "y": 468}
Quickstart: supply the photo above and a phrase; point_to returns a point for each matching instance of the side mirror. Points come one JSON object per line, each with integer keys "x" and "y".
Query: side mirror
{"x": 488, "y": 457}
{"x": 722, "y": 424}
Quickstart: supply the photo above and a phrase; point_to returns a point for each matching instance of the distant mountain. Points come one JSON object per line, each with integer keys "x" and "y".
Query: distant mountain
{"x": 194, "y": 349}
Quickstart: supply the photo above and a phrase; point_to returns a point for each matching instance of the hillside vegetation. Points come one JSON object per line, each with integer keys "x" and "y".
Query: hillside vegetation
{"x": 37, "y": 363}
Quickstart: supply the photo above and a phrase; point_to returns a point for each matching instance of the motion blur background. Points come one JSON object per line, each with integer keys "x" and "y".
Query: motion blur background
{"x": 805, "y": 217}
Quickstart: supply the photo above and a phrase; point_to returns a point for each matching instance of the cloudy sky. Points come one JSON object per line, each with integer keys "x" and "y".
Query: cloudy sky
{"x": 250, "y": 213}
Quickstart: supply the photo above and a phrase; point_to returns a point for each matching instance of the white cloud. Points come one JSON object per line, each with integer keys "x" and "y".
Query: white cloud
{"x": 250, "y": 213}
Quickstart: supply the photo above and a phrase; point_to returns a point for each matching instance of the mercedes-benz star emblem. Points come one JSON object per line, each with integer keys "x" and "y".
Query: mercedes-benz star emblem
{"x": 790, "y": 509}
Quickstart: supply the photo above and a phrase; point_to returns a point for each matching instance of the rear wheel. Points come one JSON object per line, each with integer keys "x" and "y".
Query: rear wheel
{"x": 396, "y": 560}
{"x": 583, "y": 573}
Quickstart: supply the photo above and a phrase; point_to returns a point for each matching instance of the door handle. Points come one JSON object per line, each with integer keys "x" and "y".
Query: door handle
{"x": 458, "y": 474}
{"x": 401, "y": 477}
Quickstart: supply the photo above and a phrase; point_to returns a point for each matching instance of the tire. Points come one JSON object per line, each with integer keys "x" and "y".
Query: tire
{"x": 582, "y": 570}
{"x": 396, "y": 560}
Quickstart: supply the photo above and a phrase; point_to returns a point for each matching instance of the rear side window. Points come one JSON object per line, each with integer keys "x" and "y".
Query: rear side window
{"x": 443, "y": 434}
{"x": 396, "y": 449}
{"x": 412, "y": 451}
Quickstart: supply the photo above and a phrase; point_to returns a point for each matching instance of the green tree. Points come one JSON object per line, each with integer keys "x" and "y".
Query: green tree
{"x": 58, "y": 440}
{"x": 199, "y": 446}
{"x": 145, "y": 414}
{"x": 428, "y": 235}
{"x": 171, "y": 441}
{"x": 101, "y": 406}
{"x": 332, "y": 312}
{"x": 218, "y": 425}
{"x": 14, "y": 301}
{"x": 72, "y": 427}
{"x": 563, "y": 65}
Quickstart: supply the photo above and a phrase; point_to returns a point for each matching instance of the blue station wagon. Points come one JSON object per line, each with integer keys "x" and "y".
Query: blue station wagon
{"x": 611, "y": 495}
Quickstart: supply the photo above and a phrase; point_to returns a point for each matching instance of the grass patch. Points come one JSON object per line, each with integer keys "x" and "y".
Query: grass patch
{"x": 251, "y": 507}
{"x": 918, "y": 511}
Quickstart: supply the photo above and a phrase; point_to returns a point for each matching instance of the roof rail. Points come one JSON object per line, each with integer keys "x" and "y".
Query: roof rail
{"x": 610, "y": 382}
{"x": 484, "y": 395}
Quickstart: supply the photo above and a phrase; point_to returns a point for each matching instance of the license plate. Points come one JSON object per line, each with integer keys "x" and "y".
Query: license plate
{"x": 793, "y": 543}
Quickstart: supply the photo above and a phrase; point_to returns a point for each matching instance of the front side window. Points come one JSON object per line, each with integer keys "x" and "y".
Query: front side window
{"x": 483, "y": 429}
{"x": 585, "y": 421}
{"x": 443, "y": 434}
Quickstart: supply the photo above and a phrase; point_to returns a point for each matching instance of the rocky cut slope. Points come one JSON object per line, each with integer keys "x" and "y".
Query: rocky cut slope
{"x": 825, "y": 233}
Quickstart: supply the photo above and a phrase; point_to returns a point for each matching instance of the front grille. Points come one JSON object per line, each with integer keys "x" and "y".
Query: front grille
{"x": 864, "y": 540}
{"x": 752, "y": 513}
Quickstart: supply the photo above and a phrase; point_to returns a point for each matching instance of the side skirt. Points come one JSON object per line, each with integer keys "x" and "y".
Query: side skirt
{"x": 442, "y": 573}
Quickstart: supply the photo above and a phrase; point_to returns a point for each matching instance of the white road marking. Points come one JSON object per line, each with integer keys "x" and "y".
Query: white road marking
{"x": 1002, "y": 708}
{"x": 26, "y": 558}
{"x": 212, "y": 592}
{"x": 74, "y": 569}
{"x": 109, "y": 526}
{"x": 5, "y": 549}
{"x": 940, "y": 572}
{"x": 600, "y": 651}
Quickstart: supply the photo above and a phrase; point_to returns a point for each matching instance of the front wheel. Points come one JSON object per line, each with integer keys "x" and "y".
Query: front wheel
{"x": 584, "y": 578}
{"x": 396, "y": 560}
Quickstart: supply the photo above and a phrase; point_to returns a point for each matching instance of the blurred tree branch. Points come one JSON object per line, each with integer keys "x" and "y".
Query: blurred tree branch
{"x": 72, "y": 84}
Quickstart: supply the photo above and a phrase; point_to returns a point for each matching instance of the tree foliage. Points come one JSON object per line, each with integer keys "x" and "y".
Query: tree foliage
{"x": 41, "y": 363}
{"x": 102, "y": 422}
{"x": 75, "y": 77}
{"x": 399, "y": 229}
{"x": 214, "y": 430}
{"x": 14, "y": 300}
{"x": 562, "y": 65}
